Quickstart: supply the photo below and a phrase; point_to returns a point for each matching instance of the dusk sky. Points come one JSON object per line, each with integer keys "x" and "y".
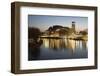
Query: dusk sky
{"x": 43, "y": 22}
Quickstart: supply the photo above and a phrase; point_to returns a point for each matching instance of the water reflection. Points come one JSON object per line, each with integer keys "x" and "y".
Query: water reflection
{"x": 59, "y": 49}
{"x": 63, "y": 43}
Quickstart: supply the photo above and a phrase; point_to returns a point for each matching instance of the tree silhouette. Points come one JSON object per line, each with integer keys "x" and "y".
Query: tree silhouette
{"x": 33, "y": 33}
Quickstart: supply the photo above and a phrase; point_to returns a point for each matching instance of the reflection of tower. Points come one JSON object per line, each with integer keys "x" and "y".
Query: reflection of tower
{"x": 73, "y": 26}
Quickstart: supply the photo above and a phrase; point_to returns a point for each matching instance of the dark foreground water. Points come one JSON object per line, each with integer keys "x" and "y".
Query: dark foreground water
{"x": 58, "y": 49}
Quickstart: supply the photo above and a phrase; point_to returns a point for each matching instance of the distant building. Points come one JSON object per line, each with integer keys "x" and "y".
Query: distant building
{"x": 59, "y": 30}
{"x": 73, "y": 26}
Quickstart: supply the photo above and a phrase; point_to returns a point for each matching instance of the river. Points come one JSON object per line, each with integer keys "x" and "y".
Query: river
{"x": 59, "y": 49}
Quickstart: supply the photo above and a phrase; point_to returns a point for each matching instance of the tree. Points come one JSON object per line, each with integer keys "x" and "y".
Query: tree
{"x": 83, "y": 32}
{"x": 33, "y": 33}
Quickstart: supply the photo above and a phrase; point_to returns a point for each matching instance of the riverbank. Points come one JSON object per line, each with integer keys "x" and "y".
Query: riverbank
{"x": 74, "y": 38}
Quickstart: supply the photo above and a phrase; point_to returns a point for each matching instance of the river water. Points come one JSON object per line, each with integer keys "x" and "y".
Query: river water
{"x": 59, "y": 49}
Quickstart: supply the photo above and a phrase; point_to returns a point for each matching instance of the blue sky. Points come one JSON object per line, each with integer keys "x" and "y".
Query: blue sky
{"x": 43, "y": 22}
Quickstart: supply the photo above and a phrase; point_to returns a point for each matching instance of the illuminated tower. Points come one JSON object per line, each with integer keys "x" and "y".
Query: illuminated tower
{"x": 73, "y": 26}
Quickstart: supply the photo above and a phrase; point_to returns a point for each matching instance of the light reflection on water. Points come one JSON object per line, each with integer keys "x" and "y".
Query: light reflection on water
{"x": 63, "y": 43}
{"x": 60, "y": 49}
